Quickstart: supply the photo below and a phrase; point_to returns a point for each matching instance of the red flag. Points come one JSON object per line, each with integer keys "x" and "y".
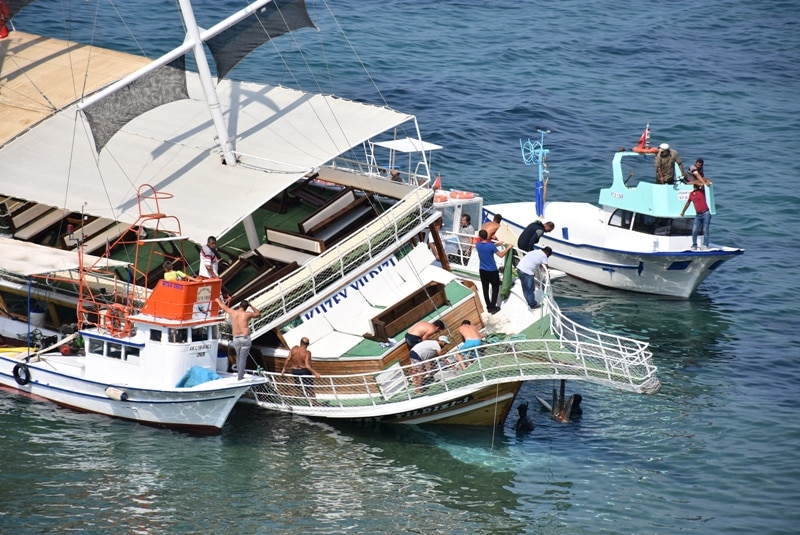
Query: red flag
{"x": 644, "y": 141}
{"x": 437, "y": 184}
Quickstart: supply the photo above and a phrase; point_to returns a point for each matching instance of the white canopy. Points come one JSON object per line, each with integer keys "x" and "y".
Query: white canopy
{"x": 279, "y": 134}
{"x": 408, "y": 145}
{"x": 24, "y": 258}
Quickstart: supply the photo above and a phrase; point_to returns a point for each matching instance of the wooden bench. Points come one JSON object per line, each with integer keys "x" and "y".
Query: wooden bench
{"x": 250, "y": 258}
{"x": 260, "y": 282}
{"x": 40, "y": 224}
{"x": 24, "y": 217}
{"x": 283, "y": 255}
{"x": 341, "y": 214}
{"x": 409, "y": 310}
{"x": 88, "y": 230}
{"x": 106, "y": 236}
{"x": 294, "y": 240}
{"x": 303, "y": 191}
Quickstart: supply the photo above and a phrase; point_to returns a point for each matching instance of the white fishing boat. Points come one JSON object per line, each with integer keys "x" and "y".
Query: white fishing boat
{"x": 140, "y": 355}
{"x": 636, "y": 239}
{"x": 338, "y": 261}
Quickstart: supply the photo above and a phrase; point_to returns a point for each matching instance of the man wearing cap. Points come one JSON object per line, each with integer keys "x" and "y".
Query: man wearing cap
{"x": 421, "y": 353}
{"x": 665, "y": 164}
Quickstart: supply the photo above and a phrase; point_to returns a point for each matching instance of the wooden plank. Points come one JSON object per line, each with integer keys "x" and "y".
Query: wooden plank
{"x": 282, "y": 254}
{"x": 26, "y": 216}
{"x": 41, "y": 224}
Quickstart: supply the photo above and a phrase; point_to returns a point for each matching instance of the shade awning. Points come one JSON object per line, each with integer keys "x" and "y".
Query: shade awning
{"x": 24, "y": 258}
{"x": 408, "y": 145}
{"x": 279, "y": 135}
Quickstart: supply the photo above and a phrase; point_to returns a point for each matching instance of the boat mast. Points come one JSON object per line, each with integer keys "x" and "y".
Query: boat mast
{"x": 210, "y": 92}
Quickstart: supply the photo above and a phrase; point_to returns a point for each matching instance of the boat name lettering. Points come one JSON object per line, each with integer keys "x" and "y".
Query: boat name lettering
{"x": 435, "y": 408}
{"x": 199, "y": 347}
{"x": 617, "y": 195}
{"x": 340, "y": 296}
{"x": 172, "y": 284}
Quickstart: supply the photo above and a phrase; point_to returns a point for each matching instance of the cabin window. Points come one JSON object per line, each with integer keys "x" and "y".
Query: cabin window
{"x": 199, "y": 334}
{"x": 662, "y": 226}
{"x": 131, "y": 352}
{"x": 95, "y": 346}
{"x": 155, "y": 335}
{"x": 114, "y": 350}
{"x": 178, "y": 336}
{"x": 621, "y": 218}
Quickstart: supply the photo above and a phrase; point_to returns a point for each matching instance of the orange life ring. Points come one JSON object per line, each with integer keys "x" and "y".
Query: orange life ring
{"x": 456, "y": 194}
{"x": 440, "y": 197}
{"x": 115, "y": 320}
{"x": 645, "y": 150}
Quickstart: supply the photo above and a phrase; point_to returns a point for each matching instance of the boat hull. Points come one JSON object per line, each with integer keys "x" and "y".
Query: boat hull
{"x": 585, "y": 247}
{"x": 203, "y": 408}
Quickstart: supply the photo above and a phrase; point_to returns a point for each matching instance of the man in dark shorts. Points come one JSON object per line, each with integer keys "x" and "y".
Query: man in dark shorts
{"x": 299, "y": 362}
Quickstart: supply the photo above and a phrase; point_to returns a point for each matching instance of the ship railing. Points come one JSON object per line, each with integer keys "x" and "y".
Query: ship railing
{"x": 445, "y": 377}
{"x": 363, "y": 247}
{"x": 416, "y": 178}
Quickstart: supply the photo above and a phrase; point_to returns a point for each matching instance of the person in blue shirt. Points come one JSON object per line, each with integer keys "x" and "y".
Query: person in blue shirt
{"x": 490, "y": 276}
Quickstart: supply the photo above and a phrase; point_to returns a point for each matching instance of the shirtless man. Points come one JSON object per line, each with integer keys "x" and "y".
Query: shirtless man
{"x": 472, "y": 338}
{"x": 299, "y": 362}
{"x": 422, "y": 330}
{"x": 491, "y": 226}
{"x": 240, "y": 325}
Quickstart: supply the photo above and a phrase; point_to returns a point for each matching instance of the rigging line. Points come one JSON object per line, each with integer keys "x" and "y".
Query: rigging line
{"x": 131, "y": 34}
{"x": 494, "y": 427}
{"x": 308, "y": 68}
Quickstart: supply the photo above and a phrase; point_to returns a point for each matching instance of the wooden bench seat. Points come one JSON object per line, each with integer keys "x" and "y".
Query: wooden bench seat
{"x": 106, "y": 236}
{"x": 29, "y": 214}
{"x": 41, "y": 224}
{"x": 294, "y": 240}
{"x": 263, "y": 280}
{"x": 409, "y": 310}
{"x": 338, "y": 216}
{"x": 283, "y": 255}
{"x": 304, "y": 192}
{"x": 250, "y": 258}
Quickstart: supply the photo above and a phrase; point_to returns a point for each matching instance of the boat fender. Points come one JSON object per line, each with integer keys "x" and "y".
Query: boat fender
{"x": 22, "y": 374}
{"x": 456, "y": 194}
{"x": 116, "y": 393}
{"x": 65, "y": 350}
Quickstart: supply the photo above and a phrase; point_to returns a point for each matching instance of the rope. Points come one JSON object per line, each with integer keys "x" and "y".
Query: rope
{"x": 494, "y": 427}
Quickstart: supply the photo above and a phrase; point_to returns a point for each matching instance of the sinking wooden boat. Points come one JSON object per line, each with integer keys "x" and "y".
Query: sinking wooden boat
{"x": 312, "y": 227}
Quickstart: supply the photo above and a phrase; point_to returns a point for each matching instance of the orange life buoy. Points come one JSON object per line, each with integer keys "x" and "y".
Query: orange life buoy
{"x": 456, "y": 194}
{"x": 440, "y": 197}
{"x": 645, "y": 150}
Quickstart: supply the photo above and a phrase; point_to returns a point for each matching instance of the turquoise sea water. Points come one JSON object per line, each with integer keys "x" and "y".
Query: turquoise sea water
{"x": 714, "y": 452}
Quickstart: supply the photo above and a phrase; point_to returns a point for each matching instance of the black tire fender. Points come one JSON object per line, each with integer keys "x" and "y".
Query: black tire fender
{"x": 22, "y": 374}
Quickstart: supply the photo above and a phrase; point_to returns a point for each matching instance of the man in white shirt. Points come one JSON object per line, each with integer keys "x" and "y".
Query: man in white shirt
{"x": 209, "y": 259}
{"x": 526, "y": 269}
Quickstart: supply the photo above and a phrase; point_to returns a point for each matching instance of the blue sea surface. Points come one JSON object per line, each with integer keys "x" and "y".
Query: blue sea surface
{"x": 716, "y": 451}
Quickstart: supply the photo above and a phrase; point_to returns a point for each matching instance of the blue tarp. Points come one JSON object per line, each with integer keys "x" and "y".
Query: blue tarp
{"x": 197, "y": 375}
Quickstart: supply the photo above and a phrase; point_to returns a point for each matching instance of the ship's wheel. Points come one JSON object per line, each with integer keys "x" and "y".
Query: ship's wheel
{"x": 531, "y": 152}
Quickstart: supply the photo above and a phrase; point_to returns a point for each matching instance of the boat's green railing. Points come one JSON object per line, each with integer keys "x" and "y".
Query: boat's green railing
{"x": 307, "y": 282}
{"x": 605, "y": 361}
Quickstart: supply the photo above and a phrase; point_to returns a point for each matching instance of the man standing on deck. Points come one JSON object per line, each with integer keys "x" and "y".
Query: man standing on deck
{"x": 526, "y": 270}
{"x": 240, "y": 325}
{"x": 665, "y": 162}
{"x": 299, "y": 362}
{"x": 209, "y": 259}
{"x": 490, "y": 276}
